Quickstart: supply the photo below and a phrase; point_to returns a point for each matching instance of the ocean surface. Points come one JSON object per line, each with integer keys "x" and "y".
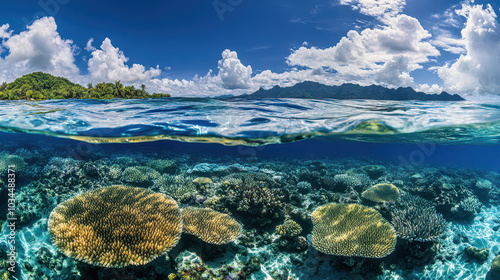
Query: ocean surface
{"x": 264, "y": 163}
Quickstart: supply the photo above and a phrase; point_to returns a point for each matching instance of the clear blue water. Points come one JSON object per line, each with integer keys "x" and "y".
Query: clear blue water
{"x": 445, "y": 143}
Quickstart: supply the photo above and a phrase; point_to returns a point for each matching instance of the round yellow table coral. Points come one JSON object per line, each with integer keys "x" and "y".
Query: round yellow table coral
{"x": 116, "y": 226}
{"x": 382, "y": 192}
{"x": 352, "y": 230}
{"x": 210, "y": 226}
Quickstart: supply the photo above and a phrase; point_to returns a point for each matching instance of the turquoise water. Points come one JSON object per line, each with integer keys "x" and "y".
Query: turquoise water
{"x": 269, "y": 162}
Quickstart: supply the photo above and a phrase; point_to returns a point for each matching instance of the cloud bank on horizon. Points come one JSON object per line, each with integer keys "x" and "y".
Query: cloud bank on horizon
{"x": 385, "y": 54}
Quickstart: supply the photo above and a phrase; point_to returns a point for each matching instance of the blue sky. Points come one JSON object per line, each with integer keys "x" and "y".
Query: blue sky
{"x": 273, "y": 42}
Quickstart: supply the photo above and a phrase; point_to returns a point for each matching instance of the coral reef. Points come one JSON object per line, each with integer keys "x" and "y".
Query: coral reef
{"x": 273, "y": 199}
{"x": 210, "y": 226}
{"x": 116, "y": 226}
{"x": 352, "y": 230}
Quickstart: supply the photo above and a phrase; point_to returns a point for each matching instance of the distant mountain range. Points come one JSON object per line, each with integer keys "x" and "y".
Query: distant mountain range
{"x": 313, "y": 90}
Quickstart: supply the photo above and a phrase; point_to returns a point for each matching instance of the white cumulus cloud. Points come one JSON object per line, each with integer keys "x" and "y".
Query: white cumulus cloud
{"x": 39, "y": 48}
{"x": 4, "y": 31}
{"x": 233, "y": 78}
{"x": 233, "y": 74}
{"x": 376, "y": 8}
{"x": 385, "y": 55}
{"x": 108, "y": 64}
{"x": 476, "y": 71}
{"x": 89, "y": 47}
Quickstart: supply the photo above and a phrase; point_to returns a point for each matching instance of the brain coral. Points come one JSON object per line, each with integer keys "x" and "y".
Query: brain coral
{"x": 352, "y": 230}
{"x": 116, "y": 226}
{"x": 381, "y": 193}
{"x": 210, "y": 226}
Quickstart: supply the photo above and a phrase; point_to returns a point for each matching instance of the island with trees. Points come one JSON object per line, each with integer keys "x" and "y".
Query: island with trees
{"x": 42, "y": 86}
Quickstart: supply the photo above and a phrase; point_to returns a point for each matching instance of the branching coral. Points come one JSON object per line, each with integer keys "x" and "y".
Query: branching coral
{"x": 351, "y": 180}
{"x": 262, "y": 204}
{"x": 352, "y": 230}
{"x": 116, "y": 226}
{"x": 416, "y": 219}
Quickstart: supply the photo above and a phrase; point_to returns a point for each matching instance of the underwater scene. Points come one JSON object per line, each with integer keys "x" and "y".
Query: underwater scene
{"x": 195, "y": 188}
{"x": 250, "y": 140}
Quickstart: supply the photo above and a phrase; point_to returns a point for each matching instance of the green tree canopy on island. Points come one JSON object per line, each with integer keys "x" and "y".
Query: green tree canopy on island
{"x": 42, "y": 86}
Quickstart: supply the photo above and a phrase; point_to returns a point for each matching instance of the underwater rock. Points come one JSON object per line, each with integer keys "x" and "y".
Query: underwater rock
{"x": 374, "y": 171}
{"x": 478, "y": 254}
{"x": 495, "y": 266}
{"x": 163, "y": 165}
{"x": 202, "y": 181}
